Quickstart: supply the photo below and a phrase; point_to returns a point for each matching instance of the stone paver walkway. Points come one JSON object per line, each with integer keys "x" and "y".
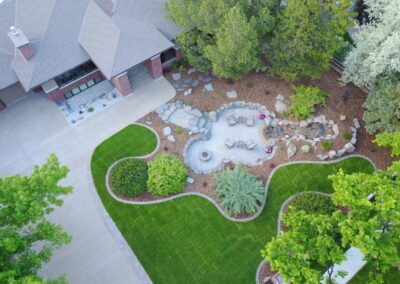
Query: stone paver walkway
{"x": 34, "y": 128}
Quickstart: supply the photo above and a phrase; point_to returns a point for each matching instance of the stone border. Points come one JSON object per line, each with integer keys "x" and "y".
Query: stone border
{"x": 295, "y": 195}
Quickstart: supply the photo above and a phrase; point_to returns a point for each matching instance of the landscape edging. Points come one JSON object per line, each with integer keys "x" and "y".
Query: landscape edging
{"x": 122, "y": 200}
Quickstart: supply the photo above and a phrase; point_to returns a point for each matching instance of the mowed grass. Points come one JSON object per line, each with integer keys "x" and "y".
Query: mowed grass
{"x": 187, "y": 240}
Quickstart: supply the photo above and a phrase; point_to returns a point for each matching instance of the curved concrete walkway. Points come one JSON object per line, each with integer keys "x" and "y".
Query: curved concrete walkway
{"x": 30, "y": 131}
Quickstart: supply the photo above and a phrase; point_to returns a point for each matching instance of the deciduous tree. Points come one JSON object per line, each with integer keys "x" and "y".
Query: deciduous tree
{"x": 371, "y": 224}
{"x": 309, "y": 245}
{"x": 27, "y": 239}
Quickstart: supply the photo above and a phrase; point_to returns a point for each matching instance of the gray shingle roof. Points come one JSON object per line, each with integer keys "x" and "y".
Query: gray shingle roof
{"x": 7, "y": 19}
{"x": 119, "y": 43}
{"x": 54, "y": 27}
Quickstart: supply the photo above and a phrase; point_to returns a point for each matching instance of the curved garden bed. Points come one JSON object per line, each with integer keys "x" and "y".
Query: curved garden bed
{"x": 188, "y": 240}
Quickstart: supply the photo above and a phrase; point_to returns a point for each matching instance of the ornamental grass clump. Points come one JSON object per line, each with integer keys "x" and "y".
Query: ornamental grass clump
{"x": 239, "y": 191}
{"x": 305, "y": 99}
{"x": 129, "y": 177}
{"x": 167, "y": 175}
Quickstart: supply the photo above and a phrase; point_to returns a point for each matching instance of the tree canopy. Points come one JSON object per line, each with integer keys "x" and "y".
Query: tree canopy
{"x": 377, "y": 45}
{"x": 308, "y": 247}
{"x": 225, "y": 36}
{"x": 24, "y": 203}
{"x": 382, "y": 107}
{"x": 372, "y": 223}
{"x": 307, "y": 34}
{"x": 235, "y": 51}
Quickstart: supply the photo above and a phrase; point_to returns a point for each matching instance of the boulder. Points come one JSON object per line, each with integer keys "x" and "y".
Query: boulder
{"x": 335, "y": 129}
{"x": 356, "y": 123}
{"x": 201, "y": 123}
{"x": 272, "y": 114}
{"x": 349, "y": 148}
{"x": 291, "y": 150}
{"x": 275, "y": 122}
{"x": 187, "y": 108}
{"x": 267, "y": 121}
{"x": 191, "y": 70}
{"x": 322, "y": 157}
{"x": 353, "y": 141}
{"x": 280, "y": 98}
{"x": 167, "y": 131}
{"x": 303, "y": 123}
{"x": 331, "y": 122}
{"x": 196, "y": 113}
{"x": 340, "y": 152}
{"x": 179, "y": 103}
{"x": 320, "y": 119}
{"x": 176, "y": 76}
{"x": 212, "y": 116}
{"x": 193, "y": 122}
{"x": 171, "y": 138}
{"x": 331, "y": 154}
{"x": 281, "y": 107}
{"x": 232, "y": 94}
{"x": 209, "y": 87}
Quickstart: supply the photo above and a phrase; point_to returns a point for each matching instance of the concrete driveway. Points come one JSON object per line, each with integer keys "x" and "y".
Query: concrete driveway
{"x": 30, "y": 131}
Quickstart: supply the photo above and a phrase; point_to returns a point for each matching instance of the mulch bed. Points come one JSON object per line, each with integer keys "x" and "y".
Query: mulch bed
{"x": 265, "y": 271}
{"x": 264, "y": 91}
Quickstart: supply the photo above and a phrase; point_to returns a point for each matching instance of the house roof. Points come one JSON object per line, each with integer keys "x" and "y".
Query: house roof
{"x": 117, "y": 43}
{"x": 7, "y": 19}
{"x": 64, "y": 35}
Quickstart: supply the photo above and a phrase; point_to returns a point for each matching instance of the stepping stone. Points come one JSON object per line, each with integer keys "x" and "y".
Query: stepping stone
{"x": 176, "y": 76}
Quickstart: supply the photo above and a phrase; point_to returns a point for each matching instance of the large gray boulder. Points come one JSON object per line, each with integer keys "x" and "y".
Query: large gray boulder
{"x": 280, "y": 107}
{"x": 291, "y": 150}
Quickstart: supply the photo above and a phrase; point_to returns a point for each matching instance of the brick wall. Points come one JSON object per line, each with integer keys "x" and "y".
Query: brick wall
{"x": 154, "y": 66}
{"x": 27, "y": 51}
{"x": 178, "y": 57}
{"x": 2, "y": 105}
{"x": 58, "y": 94}
{"x": 121, "y": 82}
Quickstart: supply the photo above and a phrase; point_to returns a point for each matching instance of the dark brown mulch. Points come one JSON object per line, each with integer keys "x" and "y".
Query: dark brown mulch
{"x": 264, "y": 91}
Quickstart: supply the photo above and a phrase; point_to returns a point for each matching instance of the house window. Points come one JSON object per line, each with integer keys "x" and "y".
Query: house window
{"x": 82, "y": 87}
{"x": 168, "y": 55}
{"x": 75, "y": 73}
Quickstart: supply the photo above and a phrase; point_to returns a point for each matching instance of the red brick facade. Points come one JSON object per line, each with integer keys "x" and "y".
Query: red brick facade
{"x": 58, "y": 94}
{"x": 121, "y": 82}
{"x": 154, "y": 66}
{"x": 27, "y": 51}
{"x": 2, "y": 105}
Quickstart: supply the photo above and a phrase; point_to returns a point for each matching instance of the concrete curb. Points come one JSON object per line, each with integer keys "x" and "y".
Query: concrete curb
{"x": 220, "y": 209}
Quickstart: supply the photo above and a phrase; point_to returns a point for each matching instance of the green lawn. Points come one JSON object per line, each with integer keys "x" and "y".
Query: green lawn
{"x": 187, "y": 240}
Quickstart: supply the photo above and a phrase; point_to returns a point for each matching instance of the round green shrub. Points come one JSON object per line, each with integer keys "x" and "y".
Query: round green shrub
{"x": 311, "y": 202}
{"x": 129, "y": 177}
{"x": 239, "y": 191}
{"x": 326, "y": 145}
{"x": 167, "y": 175}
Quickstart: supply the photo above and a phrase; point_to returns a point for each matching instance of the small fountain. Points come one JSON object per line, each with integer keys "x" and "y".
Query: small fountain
{"x": 205, "y": 155}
